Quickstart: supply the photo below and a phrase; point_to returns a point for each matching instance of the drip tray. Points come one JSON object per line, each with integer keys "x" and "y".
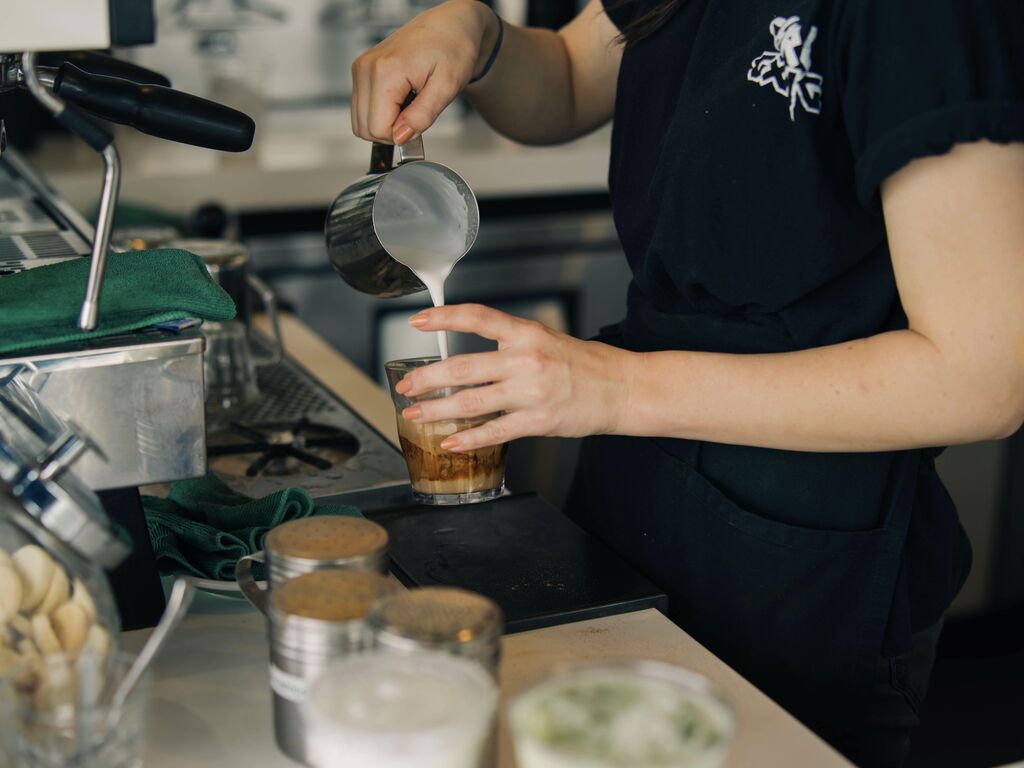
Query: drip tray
{"x": 538, "y": 565}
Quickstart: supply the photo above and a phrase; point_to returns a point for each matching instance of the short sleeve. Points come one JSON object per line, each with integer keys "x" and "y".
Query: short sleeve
{"x": 621, "y": 12}
{"x": 918, "y": 76}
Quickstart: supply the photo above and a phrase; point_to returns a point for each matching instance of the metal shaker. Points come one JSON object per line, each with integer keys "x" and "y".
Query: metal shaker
{"x": 395, "y": 207}
{"x": 229, "y": 361}
{"x": 447, "y": 619}
{"x": 313, "y": 544}
{"x": 314, "y": 619}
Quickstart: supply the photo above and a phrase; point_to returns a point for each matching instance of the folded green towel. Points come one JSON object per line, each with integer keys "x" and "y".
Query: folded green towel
{"x": 204, "y": 527}
{"x": 39, "y": 307}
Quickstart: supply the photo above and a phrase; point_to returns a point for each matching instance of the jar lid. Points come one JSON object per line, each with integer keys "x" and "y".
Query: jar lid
{"x": 36, "y": 448}
{"x": 327, "y": 539}
{"x": 437, "y": 617}
{"x": 332, "y": 594}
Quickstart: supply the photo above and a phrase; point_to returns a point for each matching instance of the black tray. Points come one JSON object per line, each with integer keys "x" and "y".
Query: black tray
{"x": 539, "y": 566}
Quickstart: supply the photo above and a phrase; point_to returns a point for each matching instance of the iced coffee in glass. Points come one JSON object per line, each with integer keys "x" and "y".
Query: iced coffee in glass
{"x": 439, "y": 476}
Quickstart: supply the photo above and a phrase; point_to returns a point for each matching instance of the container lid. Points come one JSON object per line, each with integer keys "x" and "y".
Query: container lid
{"x": 441, "y": 617}
{"x": 327, "y": 539}
{"x": 36, "y": 448}
{"x": 333, "y": 595}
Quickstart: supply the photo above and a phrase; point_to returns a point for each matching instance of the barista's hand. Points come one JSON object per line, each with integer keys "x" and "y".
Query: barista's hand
{"x": 544, "y": 382}
{"x": 435, "y": 55}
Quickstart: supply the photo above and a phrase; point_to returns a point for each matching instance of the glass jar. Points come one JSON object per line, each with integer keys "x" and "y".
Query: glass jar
{"x": 52, "y": 600}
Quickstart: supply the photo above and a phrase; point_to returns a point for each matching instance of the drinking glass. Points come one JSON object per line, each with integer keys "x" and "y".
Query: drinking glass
{"x": 55, "y": 712}
{"x": 229, "y": 370}
{"x": 383, "y": 710}
{"x": 439, "y": 476}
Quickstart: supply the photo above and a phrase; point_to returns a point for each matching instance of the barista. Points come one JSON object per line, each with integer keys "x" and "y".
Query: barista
{"x": 822, "y": 203}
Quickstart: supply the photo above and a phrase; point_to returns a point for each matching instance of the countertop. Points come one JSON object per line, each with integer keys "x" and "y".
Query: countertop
{"x": 304, "y": 158}
{"x": 211, "y": 696}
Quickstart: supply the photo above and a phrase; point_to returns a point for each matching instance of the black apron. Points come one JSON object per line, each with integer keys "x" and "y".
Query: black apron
{"x": 799, "y": 607}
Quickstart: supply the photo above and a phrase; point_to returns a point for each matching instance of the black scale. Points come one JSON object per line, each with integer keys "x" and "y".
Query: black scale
{"x": 538, "y": 565}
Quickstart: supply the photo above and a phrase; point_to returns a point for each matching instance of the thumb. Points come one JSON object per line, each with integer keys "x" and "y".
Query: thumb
{"x": 437, "y": 93}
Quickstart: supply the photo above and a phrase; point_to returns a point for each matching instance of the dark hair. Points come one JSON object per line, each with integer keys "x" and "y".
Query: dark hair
{"x": 646, "y": 24}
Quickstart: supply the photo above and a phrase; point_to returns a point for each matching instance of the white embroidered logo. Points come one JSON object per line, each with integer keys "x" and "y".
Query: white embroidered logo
{"x": 788, "y": 68}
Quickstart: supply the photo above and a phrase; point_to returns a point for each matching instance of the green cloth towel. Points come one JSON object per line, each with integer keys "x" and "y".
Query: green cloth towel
{"x": 204, "y": 527}
{"x": 39, "y": 307}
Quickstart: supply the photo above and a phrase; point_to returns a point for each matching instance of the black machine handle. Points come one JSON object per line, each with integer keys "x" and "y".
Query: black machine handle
{"x": 156, "y": 110}
{"x": 100, "y": 64}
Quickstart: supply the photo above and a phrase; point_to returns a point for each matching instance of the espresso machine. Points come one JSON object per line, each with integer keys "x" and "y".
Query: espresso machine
{"x": 130, "y": 407}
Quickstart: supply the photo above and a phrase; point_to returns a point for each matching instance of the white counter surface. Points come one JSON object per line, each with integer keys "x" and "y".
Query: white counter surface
{"x": 211, "y": 698}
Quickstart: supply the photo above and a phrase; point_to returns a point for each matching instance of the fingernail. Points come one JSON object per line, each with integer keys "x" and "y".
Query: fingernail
{"x": 418, "y": 321}
{"x": 450, "y": 443}
{"x": 404, "y": 134}
{"x": 413, "y": 413}
{"x": 403, "y": 386}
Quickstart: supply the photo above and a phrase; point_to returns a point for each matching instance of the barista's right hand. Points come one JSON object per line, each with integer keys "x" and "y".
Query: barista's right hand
{"x": 435, "y": 55}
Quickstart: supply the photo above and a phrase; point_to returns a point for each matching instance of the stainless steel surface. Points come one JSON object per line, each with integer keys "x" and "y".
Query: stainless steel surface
{"x": 282, "y": 565}
{"x": 37, "y": 226}
{"x": 302, "y": 647}
{"x": 356, "y": 223}
{"x": 178, "y": 602}
{"x": 89, "y": 315}
{"x": 289, "y": 393}
{"x": 36, "y": 449}
{"x": 137, "y": 399}
{"x": 36, "y": 87}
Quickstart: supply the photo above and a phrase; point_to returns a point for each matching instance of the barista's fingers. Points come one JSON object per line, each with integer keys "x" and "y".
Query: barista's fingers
{"x": 361, "y": 92}
{"x": 437, "y": 93}
{"x": 389, "y": 91}
{"x": 465, "y": 404}
{"x": 461, "y": 370}
{"x": 495, "y": 432}
{"x": 474, "y": 318}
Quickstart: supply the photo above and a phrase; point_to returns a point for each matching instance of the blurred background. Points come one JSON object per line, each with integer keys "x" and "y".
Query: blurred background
{"x": 547, "y": 250}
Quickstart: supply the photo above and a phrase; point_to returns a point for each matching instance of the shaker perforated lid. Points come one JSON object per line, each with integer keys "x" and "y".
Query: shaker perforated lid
{"x": 36, "y": 448}
{"x": 437, "y": 617}
{"x": 334, "y": 539}
{"x": 333, "y": 595}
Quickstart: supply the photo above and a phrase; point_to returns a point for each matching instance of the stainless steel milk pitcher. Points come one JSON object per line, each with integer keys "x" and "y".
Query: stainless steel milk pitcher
{"x": 397, "y": 205}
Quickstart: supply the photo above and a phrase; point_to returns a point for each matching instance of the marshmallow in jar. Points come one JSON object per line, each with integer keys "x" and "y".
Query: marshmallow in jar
{"x": 379, "y": 709}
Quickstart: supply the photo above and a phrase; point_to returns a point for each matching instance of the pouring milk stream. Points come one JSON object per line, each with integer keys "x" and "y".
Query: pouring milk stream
{"x": 422, "y": 219}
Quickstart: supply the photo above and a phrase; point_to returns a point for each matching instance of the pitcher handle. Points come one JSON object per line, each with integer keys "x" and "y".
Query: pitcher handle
{"x": 247, "y": 584}
{"x": 382, "y": 156}
{"x": 268, "y": 298}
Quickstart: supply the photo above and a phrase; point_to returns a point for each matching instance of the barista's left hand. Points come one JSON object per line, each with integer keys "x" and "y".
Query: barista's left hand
{"x": 543, "y": 382}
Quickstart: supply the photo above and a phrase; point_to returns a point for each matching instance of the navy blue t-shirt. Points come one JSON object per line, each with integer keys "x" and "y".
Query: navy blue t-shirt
{"x": 750, "y": 141}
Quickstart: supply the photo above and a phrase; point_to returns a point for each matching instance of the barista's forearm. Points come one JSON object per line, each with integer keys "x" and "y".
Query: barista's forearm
{"x": 547, "y": 87}
{"x": 527, "y": 95}
{"x": 893, "y": 391}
